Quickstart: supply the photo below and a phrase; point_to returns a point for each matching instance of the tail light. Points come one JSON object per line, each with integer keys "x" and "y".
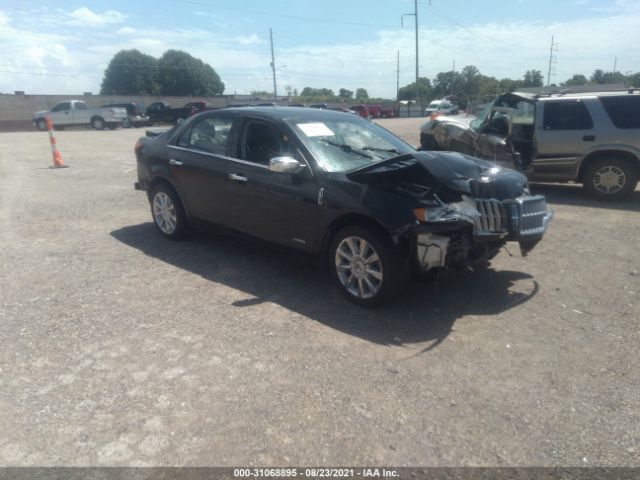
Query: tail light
{"x": 138, "y": 147}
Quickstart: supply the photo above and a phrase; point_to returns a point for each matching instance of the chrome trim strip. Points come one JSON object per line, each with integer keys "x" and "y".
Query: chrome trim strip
{"x": 215, "y": 155}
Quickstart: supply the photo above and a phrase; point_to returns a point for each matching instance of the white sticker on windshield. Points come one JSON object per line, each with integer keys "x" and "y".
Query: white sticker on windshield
{"x": 316, "y": 129}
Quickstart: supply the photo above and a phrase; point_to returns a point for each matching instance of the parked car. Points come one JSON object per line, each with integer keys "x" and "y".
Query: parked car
{"x": 318, "y": 105}
{"x": 135, "y": 114}
{"x": 591, "y": 138}
{"x": 163, "y": 112}
{"x": 361, "y": 110}
{"x": 76, "y": 112}
{"x": 441, "y": 107}
{"x": 375, "y": 111}
{"x": 387, "y": 112}
{"x": 199, "y": 106}
{"x": 340, "y": 188}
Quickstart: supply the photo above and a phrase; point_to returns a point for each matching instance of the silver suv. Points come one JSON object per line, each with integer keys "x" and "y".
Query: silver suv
{"x": 592, "y": 138}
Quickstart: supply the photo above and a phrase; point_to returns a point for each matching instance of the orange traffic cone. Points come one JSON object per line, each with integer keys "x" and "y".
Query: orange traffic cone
{"x": 57, "y": 158}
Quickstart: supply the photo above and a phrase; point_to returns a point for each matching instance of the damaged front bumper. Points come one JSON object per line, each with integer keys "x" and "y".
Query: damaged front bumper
{"x": 489, "y": 222}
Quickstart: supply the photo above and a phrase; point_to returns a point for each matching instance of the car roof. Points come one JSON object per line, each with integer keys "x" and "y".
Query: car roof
{"x": 300, "y": 113}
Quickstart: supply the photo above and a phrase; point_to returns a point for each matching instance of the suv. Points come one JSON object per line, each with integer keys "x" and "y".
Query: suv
{"x": 441, "y": 107}
{"x": 591, "y": 138}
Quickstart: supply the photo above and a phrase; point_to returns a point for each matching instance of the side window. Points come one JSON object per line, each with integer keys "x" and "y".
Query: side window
{"x": 209, "y": 135}
{"x": 566, "y": 115}
{"x": 81, "y": 106}
{"x": 624, "y": 111}
{"x": 263, "y": 141}
{"x": 61, "y": 107}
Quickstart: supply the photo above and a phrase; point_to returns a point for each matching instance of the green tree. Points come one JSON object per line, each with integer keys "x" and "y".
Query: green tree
{"x": 598, "y": 77}
{"x": 510, "y": 85}
{"x": 346, "y": 94}
{"x": 634, "y": 79}
{"x": 577, "y": 80}
{"x": 408, "y": 92}
{"x": 182, "y": 74}
{"x": 131, "y": 72}
{"x": 533, "y": 78}
{"x": 362, "y": 94}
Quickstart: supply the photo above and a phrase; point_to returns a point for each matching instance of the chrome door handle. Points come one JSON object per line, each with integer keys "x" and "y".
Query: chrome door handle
{"x": 237, "y": 177}
{"x": 173, "y": 161}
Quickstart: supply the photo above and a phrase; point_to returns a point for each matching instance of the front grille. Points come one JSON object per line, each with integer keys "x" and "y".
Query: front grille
{"x": 492, "y": 219}
{"x": 532, "y": 213}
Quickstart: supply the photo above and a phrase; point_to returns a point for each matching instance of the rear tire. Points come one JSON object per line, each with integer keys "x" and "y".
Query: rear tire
{"x": 167, "y": 212}
{"x": 97, "y": 123}
{"x": 610, "y": 178}
{"x": 366, "y": 266}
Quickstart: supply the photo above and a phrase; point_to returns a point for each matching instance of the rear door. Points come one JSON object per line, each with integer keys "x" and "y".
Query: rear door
{"x": 81, "y": 113}
{"x": 197, "y": 166}
{"x": 564, "y": 130}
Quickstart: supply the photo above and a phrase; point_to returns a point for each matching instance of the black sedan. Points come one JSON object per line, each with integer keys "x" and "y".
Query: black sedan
{"x": 341, "y": 188}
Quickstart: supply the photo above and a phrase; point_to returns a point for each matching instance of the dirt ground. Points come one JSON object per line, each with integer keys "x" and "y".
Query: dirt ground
{"x": 118, "y": 347}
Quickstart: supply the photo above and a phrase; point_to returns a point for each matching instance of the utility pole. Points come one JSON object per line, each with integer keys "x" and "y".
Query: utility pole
{"x": 417, "y": 61}
{"x": 273, "y": 67}
{"x": 398, "y": 77}
{"x": 453, "y": 76}
{"x": 552, "y": 59}
{"x": 615, "y": 64}
{"x": 415, "y": 14}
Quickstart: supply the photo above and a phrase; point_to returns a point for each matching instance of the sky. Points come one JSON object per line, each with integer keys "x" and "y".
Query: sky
{"x": 64, "y": 46}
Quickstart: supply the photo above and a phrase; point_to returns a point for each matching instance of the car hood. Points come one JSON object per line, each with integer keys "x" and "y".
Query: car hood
{"x": 456, "y": 171}
{"x": 41, "y": 113}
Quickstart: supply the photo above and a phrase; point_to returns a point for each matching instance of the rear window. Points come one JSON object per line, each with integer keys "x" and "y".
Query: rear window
{"x": 623, "y": 111}
{"x": 567, "y": 115}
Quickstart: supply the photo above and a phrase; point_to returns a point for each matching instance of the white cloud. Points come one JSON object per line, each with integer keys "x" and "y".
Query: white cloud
{"x": 126, "y": 31}
{"x": 249, "y": 39}
{"x": 83, "y": 16}
{"x": 505, "y": 49}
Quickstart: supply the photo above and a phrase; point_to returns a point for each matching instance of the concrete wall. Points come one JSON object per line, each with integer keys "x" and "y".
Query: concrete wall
{"x": 16, "y": 111}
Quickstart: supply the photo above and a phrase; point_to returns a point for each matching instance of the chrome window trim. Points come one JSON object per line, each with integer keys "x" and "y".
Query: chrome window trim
{"x": 217, "y": 155}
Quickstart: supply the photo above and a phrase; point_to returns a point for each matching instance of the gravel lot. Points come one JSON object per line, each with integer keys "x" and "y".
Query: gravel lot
{"x": 118, "y": 347}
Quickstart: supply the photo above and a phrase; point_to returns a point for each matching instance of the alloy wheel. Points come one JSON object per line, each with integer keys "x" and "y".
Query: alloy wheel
{"x": 609, "y": 179}
{"x": 359, "y": 267}
{"x": 164, "y": 213}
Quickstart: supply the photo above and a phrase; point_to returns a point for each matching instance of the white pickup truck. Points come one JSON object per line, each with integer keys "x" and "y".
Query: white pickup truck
{"x": 76, "y": 112}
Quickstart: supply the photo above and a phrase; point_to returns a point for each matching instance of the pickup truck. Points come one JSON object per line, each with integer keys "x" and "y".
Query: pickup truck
{"x": 76, "y": 112}
{"x": 163, "y": 112}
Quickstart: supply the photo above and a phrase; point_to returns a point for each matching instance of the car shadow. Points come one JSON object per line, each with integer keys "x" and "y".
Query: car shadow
{"x": 576, "y": 195}
{"x": 425, "y": 313}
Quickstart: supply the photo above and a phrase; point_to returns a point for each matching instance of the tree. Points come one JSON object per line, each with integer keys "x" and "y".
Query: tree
{"x": 408, "y": 92}
{"x": 182, "y": 74}
{"x": 634, "y": 79}
{"x": 131, "y": 72}
{"x": 598, "y": 77}
{"x": 346, "y": 94}
{"x": 362, "y": 94}
{"x": 533, "y": 78}
{"x": 576, "y": 80}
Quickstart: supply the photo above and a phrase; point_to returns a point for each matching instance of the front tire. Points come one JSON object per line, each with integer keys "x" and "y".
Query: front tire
{"x": 42, "y": 125}
{"x": 366, "y": 266}
{"x": 167, "y": 212}
{"x": 126, "y": 123}
{"x": 610, "y": 178}
{"x": 97, "y": 123}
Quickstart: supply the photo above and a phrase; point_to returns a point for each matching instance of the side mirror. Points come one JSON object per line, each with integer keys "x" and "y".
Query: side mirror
{"x": 285, "y": 165}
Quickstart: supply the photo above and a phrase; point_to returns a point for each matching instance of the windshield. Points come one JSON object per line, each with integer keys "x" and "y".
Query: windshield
{"x": 345, "y": 144}
{"x": 434, "y": 105}
{"x": 477, "y": 123}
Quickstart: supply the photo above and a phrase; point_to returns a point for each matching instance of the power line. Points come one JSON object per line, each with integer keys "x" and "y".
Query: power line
{"x": 284, "y": 15}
